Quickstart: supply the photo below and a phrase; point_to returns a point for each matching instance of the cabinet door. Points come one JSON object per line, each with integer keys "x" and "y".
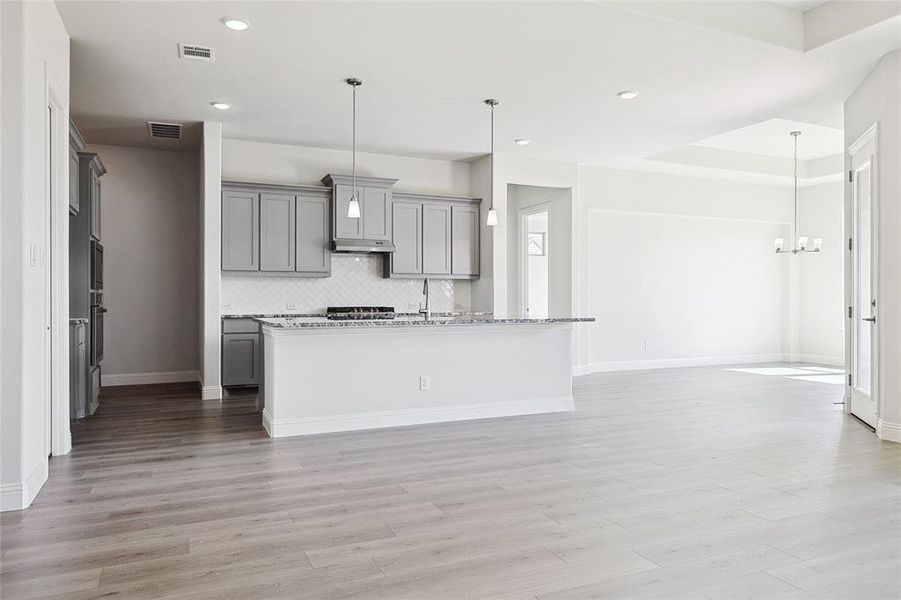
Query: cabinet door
{"x": 406, "y": 220}
{"x": 240, "y": 359}
{"x": 73, "y": 180}
{"x": 95, "y": 205}
{"x": 276, "y": 232}
{"x": 436, "y": 239}
{"x": 240, "y": 231}
{"x": 375, "y": 207}
{"x": 313, "y": 254}
{"x": 349, "y": 229}
{"x": 465, "y": 240}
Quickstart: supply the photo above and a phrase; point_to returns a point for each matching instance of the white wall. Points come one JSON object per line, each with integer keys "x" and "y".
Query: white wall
{"x": 297, "y": 165}
{"x": 821, "y": 312}
{"x": 151, "y": 246}
{"x": 34, "y": 42}
{"x": 210, "y": 260}
{"x": 681, "y": 271}
{"x": 878, "y": 100}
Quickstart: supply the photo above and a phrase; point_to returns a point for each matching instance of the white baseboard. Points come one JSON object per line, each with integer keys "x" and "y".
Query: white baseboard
{"x": 211, "y": 392}
{"x": 111, "y": 380}
{"x": 20, "y": 495}
{"x": 822, "y": 359}
{"x": 890, "y": 432}
{"x": 415, "y": 416}
{"x": 671, "y": 363}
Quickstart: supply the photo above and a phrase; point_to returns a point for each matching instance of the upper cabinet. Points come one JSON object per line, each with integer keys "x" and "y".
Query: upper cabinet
{"x": 76, "y": 145}
{"x": 374, "y": 194}
{"x": 406, "y": 218}
{"x": 275, "y": 229}
{"x": 240, "y": 230}
{"x": 465, "y": 240}
{"x": 434, "y": 236}
{"x": 277, "y": 232}
{"x": 375, "y": 208}
{"x": 90, "y": 170}
{"x": 313, "y": 254}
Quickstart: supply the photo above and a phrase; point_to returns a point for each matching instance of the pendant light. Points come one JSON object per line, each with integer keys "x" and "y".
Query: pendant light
{"x": 801, "y": 241}
{"x": 491, "y": 221}
{"x": 353, "y": 207}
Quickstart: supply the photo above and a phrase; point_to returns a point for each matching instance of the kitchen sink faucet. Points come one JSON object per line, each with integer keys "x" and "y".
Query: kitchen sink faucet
{"x": 427, "y": 311}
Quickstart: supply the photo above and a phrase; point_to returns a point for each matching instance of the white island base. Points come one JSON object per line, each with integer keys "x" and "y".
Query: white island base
{"x": 329, "y": 379}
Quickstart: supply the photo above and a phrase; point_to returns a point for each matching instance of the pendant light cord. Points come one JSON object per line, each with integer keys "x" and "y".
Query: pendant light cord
{"x": 354, "y": 142}
{"x": 795, "y": 232}
{"x": 492, "y": 156}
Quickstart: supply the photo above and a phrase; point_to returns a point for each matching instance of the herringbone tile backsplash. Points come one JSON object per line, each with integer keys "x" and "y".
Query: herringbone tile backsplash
{"x": 355, "y": 280}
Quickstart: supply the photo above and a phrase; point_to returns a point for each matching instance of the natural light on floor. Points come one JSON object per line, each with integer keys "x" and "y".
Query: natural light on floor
{"x": 819, "y": 374}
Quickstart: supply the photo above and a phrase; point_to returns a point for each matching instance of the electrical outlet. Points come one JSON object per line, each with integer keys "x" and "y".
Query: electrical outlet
{"x": 291, "y": 306}
{"x": 647, "y": 346}
{"x": 425, "y": 382}
{"x": 226, "y": 307}
{"x": 414, "y": 306}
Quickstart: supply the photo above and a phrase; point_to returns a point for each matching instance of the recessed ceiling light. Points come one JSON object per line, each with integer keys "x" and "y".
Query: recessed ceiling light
{"x": 221, "y": 105}
{"x": 627, "y": 94}
{"x": 236, "y": 24}
{"x": 522, "y": 141}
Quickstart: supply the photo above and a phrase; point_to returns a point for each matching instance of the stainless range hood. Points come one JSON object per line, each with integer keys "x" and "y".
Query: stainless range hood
{"x": 362, "y": 246}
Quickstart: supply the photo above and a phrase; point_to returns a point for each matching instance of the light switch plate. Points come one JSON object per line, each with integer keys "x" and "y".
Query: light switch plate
{"x": 425, "y": 382}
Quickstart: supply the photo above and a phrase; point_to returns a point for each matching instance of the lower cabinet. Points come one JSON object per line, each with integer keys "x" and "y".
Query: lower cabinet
{"x": 241, "y": 352}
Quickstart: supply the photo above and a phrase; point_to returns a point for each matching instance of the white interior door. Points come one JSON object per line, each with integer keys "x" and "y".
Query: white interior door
{"x": 864, "y": 324}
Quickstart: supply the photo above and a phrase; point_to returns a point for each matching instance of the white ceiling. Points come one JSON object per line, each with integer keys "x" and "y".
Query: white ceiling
{"x": 427, "y": 66}
{"x": 800, "y": 5}
{"x": 772, "y": 138}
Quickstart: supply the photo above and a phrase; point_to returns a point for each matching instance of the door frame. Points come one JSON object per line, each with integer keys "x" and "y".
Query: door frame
{"x": 870, "y": 135}
{"x": 57, "y": 245}
{"x": 524, "y": 214}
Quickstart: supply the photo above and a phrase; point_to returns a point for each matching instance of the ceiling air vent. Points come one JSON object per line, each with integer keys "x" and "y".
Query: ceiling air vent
{"x": 195, "y": 52}
{"x": 166, "y": 131}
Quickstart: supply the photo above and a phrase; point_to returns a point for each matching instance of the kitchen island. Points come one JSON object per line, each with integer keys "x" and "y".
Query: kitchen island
{"x": 323, "y": 376}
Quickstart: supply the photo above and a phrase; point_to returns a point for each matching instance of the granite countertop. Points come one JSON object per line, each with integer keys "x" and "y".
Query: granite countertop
{"x": 313, "y": 315}
{"x": 411, "y": 321}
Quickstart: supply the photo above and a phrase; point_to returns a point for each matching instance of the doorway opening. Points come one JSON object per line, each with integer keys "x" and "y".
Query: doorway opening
{"x": 534, "y": 269}
{"x": 51, "y": 256}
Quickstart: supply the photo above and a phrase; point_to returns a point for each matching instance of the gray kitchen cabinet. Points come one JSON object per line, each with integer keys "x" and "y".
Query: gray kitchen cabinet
{"x": 78, "y": 369}
{"x": 312, "y": 232}
{"x": 276, "y": 229}
{"x": 376, "y": 212}
{"x": 406, "y": 223}
{"x": 240, "y": 231}
{"x": 277, "y": 232}
{"x": 375, "y": 198}
{"x": 73, "y": 179}
{"x": 90, "y": 170}
{"x": 76, "y": 145}
{"x": 94, "y": 199}
{"x": 465, "y": 240}
{"x": 241, "y": 351}
{"x": 436, "y": 238}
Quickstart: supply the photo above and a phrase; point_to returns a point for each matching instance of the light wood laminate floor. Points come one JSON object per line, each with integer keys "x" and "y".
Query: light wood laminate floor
{"x": 678, "y": 483}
